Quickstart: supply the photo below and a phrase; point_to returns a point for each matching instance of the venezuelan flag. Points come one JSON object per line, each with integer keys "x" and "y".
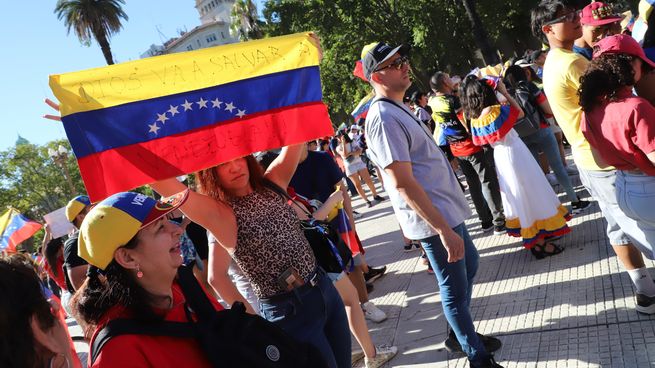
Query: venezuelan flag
{"x": 15, "y": 229}
{"x": 138, "y": 122}
{"x": 493, "y": 126}
{"x": 364, "y": 104}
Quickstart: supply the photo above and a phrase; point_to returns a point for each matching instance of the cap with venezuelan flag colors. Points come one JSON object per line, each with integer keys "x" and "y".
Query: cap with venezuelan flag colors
{"x": 75, "y": 206}
{"x": 113, "y": 222}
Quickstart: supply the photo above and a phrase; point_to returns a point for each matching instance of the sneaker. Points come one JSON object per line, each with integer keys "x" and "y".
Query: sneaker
{"x": 373, "y": 313}
{"x": 369, "y": 288}
{"x": 489, "y": 362}
{"x": 356, "y": 356}
{"x": 357, "y": 215}
{"x": 379, "y": 198}
{"x": 645, "y": 304}
{"x": 487, "y": 227}
{"x": 412, "y": 246}
{"x": 374, "y": 273}
{"x": 383, "y": 354}
{"x": 571, "y": 170}
{"x": 552, "y": 179}
{"x": 490, "y": 343}
{"x": 500, "y": 230}
{"x": 580, "y": 206}
{"x": 370, "y": 204}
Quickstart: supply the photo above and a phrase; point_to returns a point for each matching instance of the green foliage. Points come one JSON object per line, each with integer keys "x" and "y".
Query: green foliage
{"x": 33, "y": 183}
{"x": 438, "y": 31}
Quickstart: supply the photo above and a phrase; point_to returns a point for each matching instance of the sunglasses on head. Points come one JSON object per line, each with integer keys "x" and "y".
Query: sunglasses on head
{"x": 568, "y": 18}
{"x": 397, "y": 64}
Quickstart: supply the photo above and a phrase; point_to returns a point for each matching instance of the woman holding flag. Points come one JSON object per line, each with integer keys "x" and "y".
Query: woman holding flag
{"x": 255, "y": 226}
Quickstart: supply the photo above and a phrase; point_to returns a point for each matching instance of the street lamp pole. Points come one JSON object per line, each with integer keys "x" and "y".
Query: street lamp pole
{"x": 60, "y": 157}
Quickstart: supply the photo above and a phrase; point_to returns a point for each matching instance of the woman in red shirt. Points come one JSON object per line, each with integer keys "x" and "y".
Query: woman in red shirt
{"x": 135, "y": 251}
{"x": 621, "y": 126}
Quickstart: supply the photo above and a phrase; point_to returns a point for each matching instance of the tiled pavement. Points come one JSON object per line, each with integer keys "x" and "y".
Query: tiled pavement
{"x": 575, "y": 309}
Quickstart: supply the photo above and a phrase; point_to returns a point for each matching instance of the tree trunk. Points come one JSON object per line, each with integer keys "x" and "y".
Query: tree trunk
{"x": 480, "y": 34}
{"x": 101, "y": 38}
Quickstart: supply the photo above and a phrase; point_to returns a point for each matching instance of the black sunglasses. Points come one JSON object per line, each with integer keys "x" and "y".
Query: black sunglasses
{"x": 568, "y": 17}
{"x": 397, "y": 64}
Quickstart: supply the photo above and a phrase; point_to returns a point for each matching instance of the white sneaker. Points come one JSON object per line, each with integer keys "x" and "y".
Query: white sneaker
{"x": 356, "y": 356}
{"x": 552, "y": 179}
{"x": 373, "y": 313}
{"x": 383, "y": 353}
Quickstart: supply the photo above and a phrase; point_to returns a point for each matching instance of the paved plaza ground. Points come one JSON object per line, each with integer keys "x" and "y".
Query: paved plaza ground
{"x": 571, "y": 310}
{"x": 576, "y": 309}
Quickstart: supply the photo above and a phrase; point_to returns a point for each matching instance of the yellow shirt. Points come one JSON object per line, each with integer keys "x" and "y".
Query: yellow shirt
{"x": 562, "y": 72}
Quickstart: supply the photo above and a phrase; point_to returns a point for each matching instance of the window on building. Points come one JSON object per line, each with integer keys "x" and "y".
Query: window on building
{"x": 189, "y": 47}
{"x": 211, "y": 38}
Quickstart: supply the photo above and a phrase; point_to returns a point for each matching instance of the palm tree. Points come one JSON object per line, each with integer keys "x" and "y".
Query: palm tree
{"x": 480, "y": 34}
{"x": 97, "y": 19}
{"x": 245, "y": 23}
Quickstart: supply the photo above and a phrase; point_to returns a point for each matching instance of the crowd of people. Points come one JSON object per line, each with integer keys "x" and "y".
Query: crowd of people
{"x": 155, "y": 281}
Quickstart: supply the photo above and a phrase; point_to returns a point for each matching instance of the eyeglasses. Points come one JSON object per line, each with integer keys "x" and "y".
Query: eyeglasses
{"x": 568, "y": 18}
{"x": 397, "y": 64}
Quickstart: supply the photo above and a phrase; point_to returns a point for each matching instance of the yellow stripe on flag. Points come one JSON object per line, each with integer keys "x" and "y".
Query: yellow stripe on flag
{"x": 164, "y": 75}
{"x": 4, "y": 220}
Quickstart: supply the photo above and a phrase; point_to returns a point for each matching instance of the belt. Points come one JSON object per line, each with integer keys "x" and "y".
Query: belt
{"x": 312, "y": 281}
{"x": 635, "y": 172}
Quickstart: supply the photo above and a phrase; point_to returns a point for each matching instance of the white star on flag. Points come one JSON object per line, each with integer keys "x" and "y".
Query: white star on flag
{"x": 241, "y": 113}
{"x": 216, "y": 103}
{"x": 202, "y": 103}
{"x": 173, "y": 110}
{"x": 153, "y": 128}
{"x": 162, "y": 118}
{"x": 187, "y": 105}
{"x": 229, "y": 107}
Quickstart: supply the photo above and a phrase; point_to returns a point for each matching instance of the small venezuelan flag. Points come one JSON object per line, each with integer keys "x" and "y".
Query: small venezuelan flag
{"x": 137, "y": 122}
{"x": 364, "y": 104}
{"x": 15, "y": 229}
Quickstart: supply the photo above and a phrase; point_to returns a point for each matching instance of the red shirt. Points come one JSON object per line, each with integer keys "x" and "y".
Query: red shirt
{"x": 59, "y": 279}
{"x": 464, "y": 148}
{"x": 152, "y": 351}
{"x": 622, "y": 132}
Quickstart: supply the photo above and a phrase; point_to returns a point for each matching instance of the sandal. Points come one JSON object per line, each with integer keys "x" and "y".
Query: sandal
{"x": 539, "y": 250}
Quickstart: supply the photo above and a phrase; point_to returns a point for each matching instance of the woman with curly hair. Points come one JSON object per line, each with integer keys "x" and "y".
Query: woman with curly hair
{"x": 532, "y": 209}
{"x": 621, "y": 126}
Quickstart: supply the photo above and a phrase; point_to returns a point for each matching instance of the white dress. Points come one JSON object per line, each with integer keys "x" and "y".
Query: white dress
{"x": 532, "y": 209}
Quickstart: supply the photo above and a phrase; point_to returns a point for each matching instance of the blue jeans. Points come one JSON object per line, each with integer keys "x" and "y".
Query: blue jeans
{"x": 456, "y": 285}
{"x": 544, "y": 139}
{"x": 317, "y": 316}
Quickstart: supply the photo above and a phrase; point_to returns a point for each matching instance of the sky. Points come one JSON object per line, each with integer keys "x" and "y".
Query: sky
{"x": 35, "y": 44}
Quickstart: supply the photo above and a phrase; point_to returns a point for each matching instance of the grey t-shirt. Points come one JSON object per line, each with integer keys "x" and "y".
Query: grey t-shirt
{"x": 395, "y": 135}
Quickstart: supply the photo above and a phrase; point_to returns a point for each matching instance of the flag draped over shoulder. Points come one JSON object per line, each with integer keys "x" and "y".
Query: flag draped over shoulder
{"x": 15, "y": 229}
{"x": 137, "y": 122}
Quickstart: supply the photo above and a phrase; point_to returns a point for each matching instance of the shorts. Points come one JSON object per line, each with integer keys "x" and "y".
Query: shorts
{"x": 353, "y": 168}
{"x": 621, "y": 229}
{"x": 335, "y": 276}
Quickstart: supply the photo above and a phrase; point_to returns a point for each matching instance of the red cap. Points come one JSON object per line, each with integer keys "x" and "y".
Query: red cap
{"x": 621, "y": 44}
{"x": 598, "y": 14}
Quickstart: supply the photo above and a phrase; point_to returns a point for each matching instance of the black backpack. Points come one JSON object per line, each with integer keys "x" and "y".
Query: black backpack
{"x": 230, "y": 338}
{"x": 531, "y": 122}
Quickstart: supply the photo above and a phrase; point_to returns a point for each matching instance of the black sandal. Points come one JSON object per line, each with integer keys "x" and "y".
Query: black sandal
{"x": 539, "y": 251}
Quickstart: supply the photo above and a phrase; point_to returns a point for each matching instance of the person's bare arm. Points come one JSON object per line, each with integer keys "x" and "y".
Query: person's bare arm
{"x": 545, "y": 108}
{"x": 281, "y": 170}
{"x": 510, "y": 99}
{"x": 77, "y": 275}
{"x": 219, "y": 262}
{"x": 402, "y": 178}
{"x": 323, "y": 212}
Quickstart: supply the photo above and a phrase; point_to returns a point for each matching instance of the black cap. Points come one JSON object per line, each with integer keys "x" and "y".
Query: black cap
{"x": 378, "y": 54}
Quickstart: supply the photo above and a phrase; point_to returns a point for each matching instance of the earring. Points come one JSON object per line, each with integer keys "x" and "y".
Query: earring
{"x": 139, "y": 274}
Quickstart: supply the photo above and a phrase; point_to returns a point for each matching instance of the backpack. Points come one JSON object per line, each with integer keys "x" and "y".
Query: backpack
{"x": 230, "y": 338}
{"x": 531, "y": 122}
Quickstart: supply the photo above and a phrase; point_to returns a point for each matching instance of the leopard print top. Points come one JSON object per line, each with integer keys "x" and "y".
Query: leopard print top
{"x": 269, "y": 241}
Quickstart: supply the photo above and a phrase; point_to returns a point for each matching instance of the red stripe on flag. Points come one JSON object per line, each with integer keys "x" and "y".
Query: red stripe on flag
{"x": 128, "y": 167}
{"x": 22, "y": 234}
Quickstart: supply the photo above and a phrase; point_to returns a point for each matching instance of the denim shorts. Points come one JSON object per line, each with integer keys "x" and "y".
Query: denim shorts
{"x": 600, "y": 185}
